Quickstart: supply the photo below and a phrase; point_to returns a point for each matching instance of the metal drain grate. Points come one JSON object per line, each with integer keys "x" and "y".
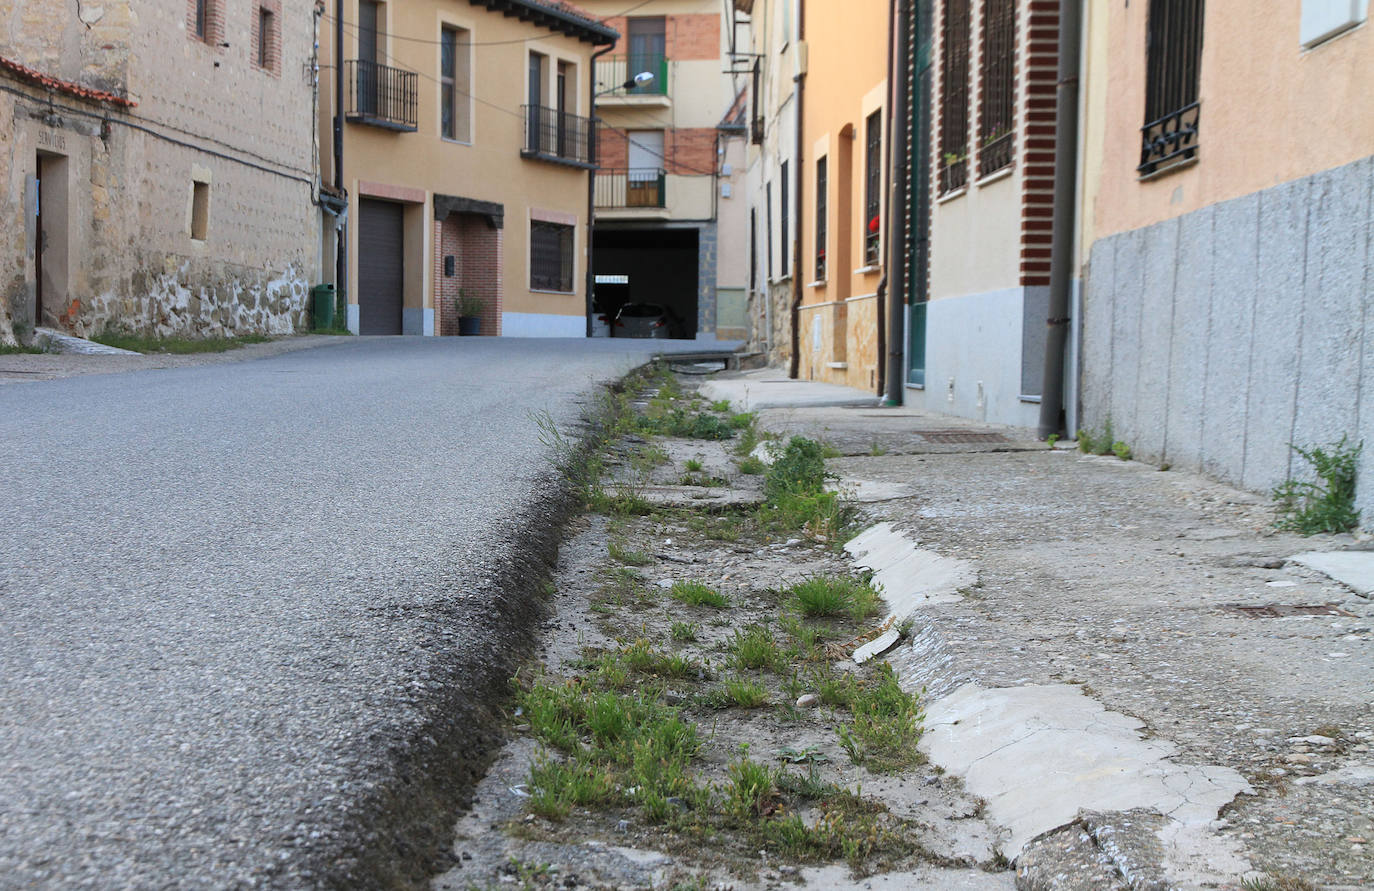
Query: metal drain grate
{"x": 960, "y": 436}
{"x": 1283, "y": 610}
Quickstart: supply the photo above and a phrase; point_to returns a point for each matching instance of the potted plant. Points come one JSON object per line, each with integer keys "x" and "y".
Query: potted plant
{"x": 469, "y": 311}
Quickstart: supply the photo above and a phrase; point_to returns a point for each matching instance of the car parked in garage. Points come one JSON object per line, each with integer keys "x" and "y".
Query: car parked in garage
{"x": 643, "y": 320}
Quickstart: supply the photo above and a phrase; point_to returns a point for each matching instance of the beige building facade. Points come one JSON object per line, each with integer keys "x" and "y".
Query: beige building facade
{"x": 670, "y": 210}
{"x": 770, "y": 59}
{"x": 1225, "y": 221}
{"x": 466, "y": 161}
{"x": 156, "y": 175}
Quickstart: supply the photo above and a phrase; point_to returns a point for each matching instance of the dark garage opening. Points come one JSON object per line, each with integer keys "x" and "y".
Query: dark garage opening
{"x": 661, "y": 265}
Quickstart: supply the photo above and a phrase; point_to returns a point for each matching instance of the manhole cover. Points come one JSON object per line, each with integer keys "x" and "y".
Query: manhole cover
{"x": 960, "y": 436}
{"x": 1283, "y": 610}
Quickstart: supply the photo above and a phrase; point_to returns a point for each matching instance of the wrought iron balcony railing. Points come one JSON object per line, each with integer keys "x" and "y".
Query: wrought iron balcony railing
{"x": 1170, "y": 140}
{"x": 613, "y": 72}
{"x": 555, "y": 135}
{"x": 631, "y": 187}
{"x": 380, "y": 95}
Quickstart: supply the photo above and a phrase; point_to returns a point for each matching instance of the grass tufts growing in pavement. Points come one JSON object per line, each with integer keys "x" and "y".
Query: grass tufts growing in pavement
{"x": 698, "y": 594}
{"x": 756, "y": 647}
{"x": 885, "y": 724}
{"x": 824, "y": 596}
{"x": 622, "y": 554}
{"x": 142, "y": 343}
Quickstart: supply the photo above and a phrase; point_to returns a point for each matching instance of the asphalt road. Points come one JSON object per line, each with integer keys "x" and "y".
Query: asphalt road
{"x": 239, "y": 602}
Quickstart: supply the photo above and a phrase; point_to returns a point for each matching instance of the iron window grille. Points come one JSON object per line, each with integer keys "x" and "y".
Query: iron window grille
{"x": 551, "y": 257}
{"x": 997, "y": 86}
{"x": 821, "y": 211}
{"x": 380, "y": 95}
{"x": 955, "y": 35}
{"x": 1173, "y": 60}
{"x": 556, "y": 135}
{"x": 873, "y": 187}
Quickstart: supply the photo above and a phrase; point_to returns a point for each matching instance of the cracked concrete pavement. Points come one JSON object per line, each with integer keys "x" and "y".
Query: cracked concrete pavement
{"x": 1148, "y": 691}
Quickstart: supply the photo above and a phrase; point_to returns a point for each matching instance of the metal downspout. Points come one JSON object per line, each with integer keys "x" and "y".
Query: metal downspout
{"x": 341, "y": 248}
{"x": 1061, "y": 239}
{"x": 590, "y": 286}
{"x": 895, "y": 267}
{"x": 794, "y": 368}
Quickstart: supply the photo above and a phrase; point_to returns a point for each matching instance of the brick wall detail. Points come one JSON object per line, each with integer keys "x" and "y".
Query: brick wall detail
{"x": 686, "y": 38}
{"x": 477, "y": 251}
{"x": 273, "y": 65}
{"x": 688, "y": 151}
{"x": 1037, "y": 53}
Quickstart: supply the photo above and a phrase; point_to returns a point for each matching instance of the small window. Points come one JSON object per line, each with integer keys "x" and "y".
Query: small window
{"x": 200, "y": 210}
{"x": 1325, "y": 19}
{"x": 267, "y": 36}
{"x": 997, "y": 84}
{"x": 1172, "y": 110}
{"x": 873, "y": 187}
{"x": 954, "y": 70}
{"x": 821, "y": 211}
{"x": 455, "y": 118}
{"x": 551, "y": 257}
{"x": 200, "y": 19}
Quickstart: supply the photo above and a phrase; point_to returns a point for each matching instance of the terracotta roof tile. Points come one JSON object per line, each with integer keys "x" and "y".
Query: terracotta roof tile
{"x": 71, "y": 88}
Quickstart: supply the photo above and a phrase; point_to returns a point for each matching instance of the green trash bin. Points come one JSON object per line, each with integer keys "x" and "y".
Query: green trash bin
{"x": 322, "y": 311}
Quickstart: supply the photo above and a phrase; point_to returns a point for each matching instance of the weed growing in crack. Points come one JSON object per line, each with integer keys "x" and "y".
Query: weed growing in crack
{"x": 885, "y": 724}
{"x": 755, "y": 647}
{"x": 643, "y": 657}
{"x": 692, "y": 465}
{"x": 698, "y": 594}
{"x": 826, "y": 596}
{"x": 1275, "y": 882}
{"x": 794, "y": 488}
{"x": 1327, "y": 505}
{"x": 751, "y": 466}
{"x": 750, "y": 788}
{"x": 686, "y": 632}
{"x": 621, "y": 554}
{"x": 738, "y": 692}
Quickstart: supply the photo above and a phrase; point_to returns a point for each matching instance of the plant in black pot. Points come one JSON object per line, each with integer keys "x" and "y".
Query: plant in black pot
{"x": 469, "y": 311}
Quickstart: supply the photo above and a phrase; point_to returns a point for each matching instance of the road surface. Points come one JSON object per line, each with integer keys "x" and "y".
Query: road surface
{"x": 251, "y": 612}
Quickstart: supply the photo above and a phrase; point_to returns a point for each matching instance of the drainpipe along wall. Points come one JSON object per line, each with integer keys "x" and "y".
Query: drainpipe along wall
{"x": 1061, "y": 239}
{"x": 590, "y": 285}
{"x": 795, "y": 368}
{"x": 894, "y": 271}
{"x": 341, "y": 252}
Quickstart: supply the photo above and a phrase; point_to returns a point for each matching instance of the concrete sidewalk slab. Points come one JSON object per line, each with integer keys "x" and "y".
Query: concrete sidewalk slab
{"x": 770, "y": 388}
{"x": 907, "y": 576}
{"x": 57, "y": 342}
{"x": 1040, "y": 754}
{"x": 1355, "y": 569}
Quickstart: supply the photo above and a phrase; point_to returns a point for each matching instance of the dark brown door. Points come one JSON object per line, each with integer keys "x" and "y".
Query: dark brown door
{"x": 380, "y": 272}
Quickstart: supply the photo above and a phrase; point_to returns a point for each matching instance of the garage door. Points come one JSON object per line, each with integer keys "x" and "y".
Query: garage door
{"x": 380, "y": 277}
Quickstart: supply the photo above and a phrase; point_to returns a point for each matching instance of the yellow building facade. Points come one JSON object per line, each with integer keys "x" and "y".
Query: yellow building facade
{"x": 838, "y": 251}
{"x": 466, "y": 161}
